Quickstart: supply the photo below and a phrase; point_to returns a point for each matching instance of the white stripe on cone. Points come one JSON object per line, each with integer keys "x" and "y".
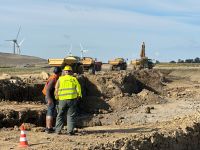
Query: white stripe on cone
{"x": 22, "y": 139}
{"x": 23, "y": 132}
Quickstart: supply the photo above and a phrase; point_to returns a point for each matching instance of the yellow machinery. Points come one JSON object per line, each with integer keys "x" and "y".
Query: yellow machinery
{"x": 116, "y": 64}
{"x": 91, "y": 65}
{"x": 141, "y": 63}
{"x": 73, "y": 61}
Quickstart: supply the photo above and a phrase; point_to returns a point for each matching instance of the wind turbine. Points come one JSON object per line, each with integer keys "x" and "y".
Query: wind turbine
{"x": 15, "y": 43}
{"x": 18, "y": 47}
{"x": 70, "y": 51}
{"x": 82, "y": 50}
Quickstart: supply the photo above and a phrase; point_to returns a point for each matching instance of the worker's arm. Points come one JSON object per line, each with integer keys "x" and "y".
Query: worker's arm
{"x": 56, "y": 88}
{"x": 78, "y": 88}
{"x": 49, "y": 91}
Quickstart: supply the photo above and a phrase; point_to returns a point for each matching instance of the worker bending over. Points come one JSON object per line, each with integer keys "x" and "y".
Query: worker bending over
{"x": 68, "y": 91}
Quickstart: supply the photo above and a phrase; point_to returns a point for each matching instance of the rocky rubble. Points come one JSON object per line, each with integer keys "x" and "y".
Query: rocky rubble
{"x": 187, "y": 138}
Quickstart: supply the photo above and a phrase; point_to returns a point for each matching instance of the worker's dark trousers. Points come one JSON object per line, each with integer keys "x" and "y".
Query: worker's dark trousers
{"x": 69, "y": 107}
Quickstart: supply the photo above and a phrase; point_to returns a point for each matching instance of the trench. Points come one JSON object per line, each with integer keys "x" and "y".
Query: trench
{"x": 97, "y": 90}
{"x": 10, "y": 118}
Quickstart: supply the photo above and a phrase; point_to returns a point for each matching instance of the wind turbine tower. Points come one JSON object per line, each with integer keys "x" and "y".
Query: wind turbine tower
{"x": 82, "y": 50}
{"x": 16, "y": 45}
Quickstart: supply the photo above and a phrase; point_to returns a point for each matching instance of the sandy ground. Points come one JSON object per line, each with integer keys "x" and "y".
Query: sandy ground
{"x": 181, "y": 107}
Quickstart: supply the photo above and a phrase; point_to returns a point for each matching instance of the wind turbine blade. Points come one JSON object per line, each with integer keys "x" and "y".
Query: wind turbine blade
{"x": 8, "y": 40}
{"x": 18, "y": 32}
{"x": 21, "y": 42}
{"x": 81, "y": 46}
{"x": 70, "y": 48}
{"x": 70, "y": 51}
{"x": 84, "y": 51}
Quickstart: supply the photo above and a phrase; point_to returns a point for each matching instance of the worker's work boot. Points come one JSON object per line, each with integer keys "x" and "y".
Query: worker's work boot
{"x": 71, "y": 134}
{"x": 49, "y": 130}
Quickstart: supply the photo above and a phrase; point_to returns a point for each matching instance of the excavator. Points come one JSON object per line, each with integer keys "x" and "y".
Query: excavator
{"x": 141, "y": 63}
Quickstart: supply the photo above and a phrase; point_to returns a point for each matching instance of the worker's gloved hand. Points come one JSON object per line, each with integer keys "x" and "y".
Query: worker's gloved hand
{"x": 78, "y": 99}
{"x": 56, "y": 97}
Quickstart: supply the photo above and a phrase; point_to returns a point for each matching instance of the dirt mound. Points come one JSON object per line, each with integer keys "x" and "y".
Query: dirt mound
{"x": 103, "y": 93}
{"x": 148, "y": 97}
{"x": 112, "y": 84}
{"x": 97, "y": 89}
{"x": 123, "y": 102}
{"x": 150, "y": 80}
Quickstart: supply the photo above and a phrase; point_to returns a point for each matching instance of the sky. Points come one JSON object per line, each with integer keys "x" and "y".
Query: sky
{"x": 106, "y": 28}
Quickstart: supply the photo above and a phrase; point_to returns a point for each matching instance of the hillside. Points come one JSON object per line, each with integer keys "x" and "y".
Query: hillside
{"x": 8, "y": 59}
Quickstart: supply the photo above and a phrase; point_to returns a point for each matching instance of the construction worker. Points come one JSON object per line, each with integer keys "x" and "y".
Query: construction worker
{"x": 68, "y": 91}
{"x": 48, "y": 91}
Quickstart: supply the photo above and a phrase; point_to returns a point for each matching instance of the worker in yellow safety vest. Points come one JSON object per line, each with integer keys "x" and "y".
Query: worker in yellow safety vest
{"x": 68, "y": 91}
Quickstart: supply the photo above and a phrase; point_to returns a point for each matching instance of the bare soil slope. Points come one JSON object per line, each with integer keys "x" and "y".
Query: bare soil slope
{"x": 8, "y": 59}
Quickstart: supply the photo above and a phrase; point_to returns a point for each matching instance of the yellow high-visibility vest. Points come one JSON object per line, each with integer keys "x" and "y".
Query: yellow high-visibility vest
{"x": 69, "y": 88}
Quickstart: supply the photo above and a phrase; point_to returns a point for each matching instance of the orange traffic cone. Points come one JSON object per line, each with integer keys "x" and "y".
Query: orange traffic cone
{"x": 23, "y": 139}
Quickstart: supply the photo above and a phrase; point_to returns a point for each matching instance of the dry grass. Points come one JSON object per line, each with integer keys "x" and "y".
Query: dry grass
{"x": 17, "y": 71}
{"x": 178, "y": 65}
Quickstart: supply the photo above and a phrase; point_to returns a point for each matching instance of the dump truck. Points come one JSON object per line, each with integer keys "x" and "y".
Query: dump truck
{"x": 73, "y": 61}
{"x": 116, "y": 64}
{"x": 141, "y": 63}
{"x": 91, "y": 65}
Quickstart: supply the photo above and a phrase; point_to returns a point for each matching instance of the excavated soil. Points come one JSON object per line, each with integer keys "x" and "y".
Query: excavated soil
{"x": 143, "y": 109}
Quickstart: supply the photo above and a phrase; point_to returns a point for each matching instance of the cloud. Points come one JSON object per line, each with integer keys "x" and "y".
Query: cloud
{"x": 114, "y": 26}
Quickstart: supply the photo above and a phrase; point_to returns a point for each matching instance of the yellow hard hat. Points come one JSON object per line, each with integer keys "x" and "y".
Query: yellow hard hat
{"x": 68, "y": 68}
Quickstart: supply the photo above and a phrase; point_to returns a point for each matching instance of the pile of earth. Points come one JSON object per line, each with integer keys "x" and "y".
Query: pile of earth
{"x": 145, "y": 97}
{"x": 109, "y": 84}
{"x": 100, "y": 91}
{"x": 97, "y": 89}
{"x": 103, "y": 93}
